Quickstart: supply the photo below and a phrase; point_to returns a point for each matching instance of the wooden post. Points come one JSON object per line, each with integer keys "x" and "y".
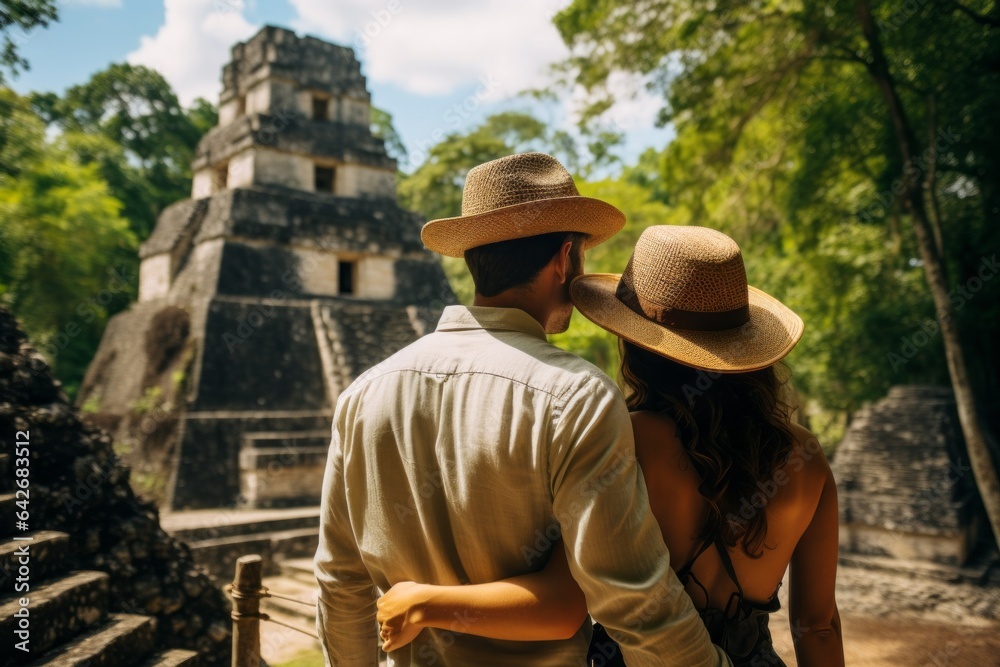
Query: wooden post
{"x": 246, "y": 609}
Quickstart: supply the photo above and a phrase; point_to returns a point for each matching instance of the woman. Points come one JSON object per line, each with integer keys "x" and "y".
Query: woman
{"x": 740, "y": 492}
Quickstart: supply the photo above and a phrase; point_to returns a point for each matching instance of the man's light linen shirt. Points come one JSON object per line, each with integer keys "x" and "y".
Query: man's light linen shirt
{"x": 462, "y": 459}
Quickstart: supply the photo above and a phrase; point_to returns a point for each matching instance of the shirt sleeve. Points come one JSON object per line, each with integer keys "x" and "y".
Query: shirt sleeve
{"x": 613, "y": 544}
{"x": 345, "y": 608}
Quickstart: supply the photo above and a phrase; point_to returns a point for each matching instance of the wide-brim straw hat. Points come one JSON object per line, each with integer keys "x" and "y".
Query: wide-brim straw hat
{"x": 519, "y": 196}
{"x": 684, "y": 295}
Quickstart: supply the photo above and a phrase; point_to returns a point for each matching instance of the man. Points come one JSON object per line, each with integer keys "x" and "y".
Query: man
{"x": 464, "y": 457}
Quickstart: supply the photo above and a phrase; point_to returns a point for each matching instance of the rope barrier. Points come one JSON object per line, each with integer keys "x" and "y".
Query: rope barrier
{"x": 263, "y": 592}
{"x": 246, "y": 592}
{"x": 261, "y": 616}
{"x": 285, "y": 597}
{"x": 291, "y": 627}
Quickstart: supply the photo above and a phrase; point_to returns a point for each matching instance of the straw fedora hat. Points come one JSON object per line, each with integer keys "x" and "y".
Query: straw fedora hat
{"x": 518, "y": 196}
{"x": 684, "y": 295}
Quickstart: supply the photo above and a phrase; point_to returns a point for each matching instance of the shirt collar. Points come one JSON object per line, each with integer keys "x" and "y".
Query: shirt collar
{"x": 461, "y": 318}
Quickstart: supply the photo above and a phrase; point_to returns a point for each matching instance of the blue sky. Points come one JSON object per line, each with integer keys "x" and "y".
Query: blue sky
{"x": 424, "y": 59}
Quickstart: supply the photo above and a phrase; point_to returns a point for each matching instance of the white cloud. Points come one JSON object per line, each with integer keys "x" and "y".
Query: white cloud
{"x": 193, "y": 44}
{"x": 103, "y": 4}
{"x": 437, "y": 46}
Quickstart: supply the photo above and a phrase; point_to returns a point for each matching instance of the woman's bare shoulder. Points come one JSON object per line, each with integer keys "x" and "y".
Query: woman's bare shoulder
{"x": 654, "y": 429}
{"x": 807, "y": 462}
{"x": 658, "y": 442}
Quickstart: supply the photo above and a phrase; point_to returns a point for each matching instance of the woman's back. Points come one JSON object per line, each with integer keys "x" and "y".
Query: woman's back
{"x": 791, "y": 494}
{"x": 726, "y": 469}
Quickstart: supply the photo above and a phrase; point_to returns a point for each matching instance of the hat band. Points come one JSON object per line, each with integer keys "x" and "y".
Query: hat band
{"x": 678, "y": 318}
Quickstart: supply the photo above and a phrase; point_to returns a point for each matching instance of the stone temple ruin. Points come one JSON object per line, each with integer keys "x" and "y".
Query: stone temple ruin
{"x": 107, "y": 585}
{"x": 908, "y": 500}
{"x": 289, "y": 271}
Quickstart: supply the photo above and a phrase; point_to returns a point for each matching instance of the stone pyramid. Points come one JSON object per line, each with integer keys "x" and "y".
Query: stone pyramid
{"x": 289, "y": 271}
{"x": 904, "y": 482}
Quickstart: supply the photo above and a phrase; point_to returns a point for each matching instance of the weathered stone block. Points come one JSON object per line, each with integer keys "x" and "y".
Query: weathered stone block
{"x": 154, "y": 277}
{"x": 946, "y": 547}
{"x": 281, "y": 469}
{"x": 906, "y": 490}
{"x": 274, "y": 478}
{"x": 208, "y": 469}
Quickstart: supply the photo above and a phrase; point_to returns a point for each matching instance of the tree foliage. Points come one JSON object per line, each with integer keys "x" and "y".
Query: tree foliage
{"x": 784, "y": 141}
{"x": 83, "y": 177}
{"x": 382, "y": 127}
{"x": 149, "y": 138}
{"x": 435, "y": 187}
{"x": 17, "y": 19}
{"x": 65, "y": 250}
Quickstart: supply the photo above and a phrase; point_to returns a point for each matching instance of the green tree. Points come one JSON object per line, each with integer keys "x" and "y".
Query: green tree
{"x": 140, "y": 203}
{"x": 17, "y": 19}
{"x": 435, "y": 187}
{"x": 150, "y": 138}
{"x": 21, "y": 135}
{"x": 798, "y": 120}
{"x": 382, "y": 127}
{"x": 203, "y": 116}
{"x": 120, "y": 153}
{"x": 61, "y": 233}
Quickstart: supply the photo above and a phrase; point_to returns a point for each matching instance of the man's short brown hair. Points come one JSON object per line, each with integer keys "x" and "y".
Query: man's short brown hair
{"x": 498, "y": 267}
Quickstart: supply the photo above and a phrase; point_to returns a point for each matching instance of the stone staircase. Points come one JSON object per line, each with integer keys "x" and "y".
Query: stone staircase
{"x": 70, "y": 621}
{"x": 283, "y": 469}
{"x": 360, "y": 334}
{"x": 218, "y": 537}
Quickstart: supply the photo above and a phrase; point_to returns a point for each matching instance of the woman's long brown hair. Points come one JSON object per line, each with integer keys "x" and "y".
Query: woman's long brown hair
{"x": 734, "y": 427}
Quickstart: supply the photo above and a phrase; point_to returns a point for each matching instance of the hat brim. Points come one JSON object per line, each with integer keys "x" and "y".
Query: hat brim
{"x": 769, "y": 335}
{"x": 597, "y": 219}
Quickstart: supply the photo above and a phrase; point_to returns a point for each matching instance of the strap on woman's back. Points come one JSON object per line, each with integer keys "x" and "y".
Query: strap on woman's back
{"x": 728, "y": 564}
{"x": 686, "y": 570}
{"x": 685, "y": 574}
{"x": 723, "y": 555}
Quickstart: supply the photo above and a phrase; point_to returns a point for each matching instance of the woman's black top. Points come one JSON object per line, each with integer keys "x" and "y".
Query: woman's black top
{"x": 740, "y": 629}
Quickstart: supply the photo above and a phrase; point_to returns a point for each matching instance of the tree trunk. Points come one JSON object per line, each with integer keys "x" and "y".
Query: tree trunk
{"x": 979, "y": 454}
{"x": 930, "y": 183}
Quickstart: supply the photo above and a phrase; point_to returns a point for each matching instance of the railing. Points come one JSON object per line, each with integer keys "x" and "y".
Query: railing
{"x": 246, "y": 592}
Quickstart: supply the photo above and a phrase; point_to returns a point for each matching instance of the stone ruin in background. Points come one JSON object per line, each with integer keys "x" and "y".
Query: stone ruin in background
{"x": 908, "y": 500}
{"x": 289, "y": 271}
{"x": 107, "y": 585}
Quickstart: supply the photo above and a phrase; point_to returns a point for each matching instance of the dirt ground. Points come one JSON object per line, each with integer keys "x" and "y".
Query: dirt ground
{"x": 904, "y": 642}
{"x": 869, "y": 642}
{"x": 279, "y": 644}
{"x": 889, "y": 620}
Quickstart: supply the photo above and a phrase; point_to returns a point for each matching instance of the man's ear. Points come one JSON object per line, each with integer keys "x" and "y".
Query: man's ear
{"x": 563, "y": 262}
